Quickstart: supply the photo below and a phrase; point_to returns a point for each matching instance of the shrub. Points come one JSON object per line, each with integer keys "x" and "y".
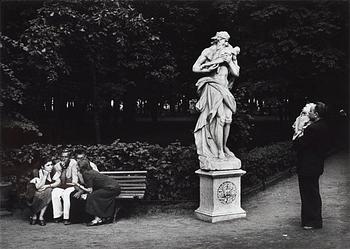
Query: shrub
{"x": 264, "y": 162}
{"x": 171, "y": 169}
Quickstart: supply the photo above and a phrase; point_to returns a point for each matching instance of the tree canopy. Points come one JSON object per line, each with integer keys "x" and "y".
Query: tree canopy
{"x": 96, "y": 51}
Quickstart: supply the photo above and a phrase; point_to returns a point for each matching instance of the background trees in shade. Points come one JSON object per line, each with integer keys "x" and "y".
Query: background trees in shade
{"x": 96, "y": 51}
{"x": 297, "y": 49}
{"x": 92, "y": 52}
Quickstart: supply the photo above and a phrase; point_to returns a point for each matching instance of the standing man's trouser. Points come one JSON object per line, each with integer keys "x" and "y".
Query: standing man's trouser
{"x": 311, "y": 204}
{"x": 57, "y": 194}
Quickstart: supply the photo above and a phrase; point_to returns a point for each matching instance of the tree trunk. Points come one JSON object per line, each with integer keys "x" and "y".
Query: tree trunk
{"x": 58, "y": 129}
{"x": 96, "y": 108}
{"x": 154, "y": 109}
{"x": 129, "y": 111}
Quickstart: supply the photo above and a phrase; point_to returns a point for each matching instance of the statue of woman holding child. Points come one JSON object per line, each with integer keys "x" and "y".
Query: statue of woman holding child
{"x": 216, "y": 103}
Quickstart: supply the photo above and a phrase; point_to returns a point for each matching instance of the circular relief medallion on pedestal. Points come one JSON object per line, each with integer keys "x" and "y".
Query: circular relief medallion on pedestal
{"x": 227, "y": 192}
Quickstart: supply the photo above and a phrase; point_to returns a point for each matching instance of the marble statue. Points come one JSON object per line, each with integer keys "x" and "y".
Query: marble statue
{"x": 219, "y": 66}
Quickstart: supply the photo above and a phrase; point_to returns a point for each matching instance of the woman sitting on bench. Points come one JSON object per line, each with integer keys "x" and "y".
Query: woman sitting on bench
{"x": 38, "y": 194}
{"x": 102, "y": 191}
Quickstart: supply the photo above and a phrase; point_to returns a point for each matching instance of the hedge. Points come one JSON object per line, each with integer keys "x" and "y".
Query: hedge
{"x": 262, "y": 163}
{"x": 170, "y": 169}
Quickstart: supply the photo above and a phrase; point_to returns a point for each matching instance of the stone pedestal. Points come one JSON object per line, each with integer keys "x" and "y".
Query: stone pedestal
{"x": 220, "y": 195}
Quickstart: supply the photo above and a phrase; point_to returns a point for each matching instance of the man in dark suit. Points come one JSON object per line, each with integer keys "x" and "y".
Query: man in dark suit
{"x": 311, "y": 150}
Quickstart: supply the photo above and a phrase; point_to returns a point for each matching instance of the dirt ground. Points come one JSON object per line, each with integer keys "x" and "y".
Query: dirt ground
{"x": 273, "y": 221}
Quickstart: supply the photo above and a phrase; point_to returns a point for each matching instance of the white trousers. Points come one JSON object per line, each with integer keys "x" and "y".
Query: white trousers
{"x": 58, "y": 194}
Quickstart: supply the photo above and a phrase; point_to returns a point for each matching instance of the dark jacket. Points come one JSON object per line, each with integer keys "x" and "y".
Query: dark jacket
{"x": 96, "y": 180}
{"x": 312, "y": 149}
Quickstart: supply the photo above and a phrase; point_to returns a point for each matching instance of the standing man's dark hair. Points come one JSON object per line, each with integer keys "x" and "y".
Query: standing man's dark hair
{"x": 321, "y": 109}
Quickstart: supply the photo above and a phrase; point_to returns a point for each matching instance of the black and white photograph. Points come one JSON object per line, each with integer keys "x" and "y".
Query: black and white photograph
{"x": 152, "y": 124}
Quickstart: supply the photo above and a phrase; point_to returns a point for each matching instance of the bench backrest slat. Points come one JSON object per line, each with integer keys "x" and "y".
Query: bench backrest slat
{"x": 128, "y": 177}
{"x": 130, "y": 180}
{"x": 133, "y": 188}
{"x": 124, "y": 172}
{"x": 125, "y": 184}
{"x": 132, "y": 193}
{"x": 132, "y": 183}
{"x": 130, "y": 196}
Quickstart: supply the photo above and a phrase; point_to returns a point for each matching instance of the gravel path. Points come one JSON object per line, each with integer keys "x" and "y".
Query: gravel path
{"x": 273, "y": 221}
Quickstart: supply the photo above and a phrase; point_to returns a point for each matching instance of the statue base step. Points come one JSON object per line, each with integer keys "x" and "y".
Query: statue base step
{"x": 216, "y": 217}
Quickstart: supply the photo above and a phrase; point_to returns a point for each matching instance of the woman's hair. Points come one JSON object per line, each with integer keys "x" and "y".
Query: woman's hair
{"x": 84, "y": 165}
{"x": 47, "y": 162}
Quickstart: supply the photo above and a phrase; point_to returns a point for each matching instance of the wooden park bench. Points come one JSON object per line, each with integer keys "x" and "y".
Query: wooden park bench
{"x": 132, "y": 184}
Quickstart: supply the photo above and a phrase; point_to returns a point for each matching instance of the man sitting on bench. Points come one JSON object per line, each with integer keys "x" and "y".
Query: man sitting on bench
{"x": 77, "y": 197}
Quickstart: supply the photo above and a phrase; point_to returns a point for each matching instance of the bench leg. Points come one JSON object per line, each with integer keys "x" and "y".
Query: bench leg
{"x": 116, "y": 211}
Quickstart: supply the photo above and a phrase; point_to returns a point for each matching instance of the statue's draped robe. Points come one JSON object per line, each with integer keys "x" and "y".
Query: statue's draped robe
{"x": 213, "y": 96}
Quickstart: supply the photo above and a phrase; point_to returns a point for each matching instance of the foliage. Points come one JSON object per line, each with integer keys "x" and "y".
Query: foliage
{"x": 94, "y": 51}
{"x": 291, "y": 45}
{"x": 12, "y": 90}
{"x": 171, "y": 169}
{"x": 242, "y": 123}
{"x": 109, "y": 38}
{"x": 264, "y": 162}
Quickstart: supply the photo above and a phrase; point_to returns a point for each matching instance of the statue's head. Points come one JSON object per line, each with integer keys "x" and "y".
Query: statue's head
{"x": 220, "y": 37}
{"x": 230, "y": 51}
{"x": 236, "y": 50}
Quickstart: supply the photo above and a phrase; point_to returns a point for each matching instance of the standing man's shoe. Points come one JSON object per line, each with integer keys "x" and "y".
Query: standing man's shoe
{"x": 307, "y": 228}
{"x": 311, "y": 228}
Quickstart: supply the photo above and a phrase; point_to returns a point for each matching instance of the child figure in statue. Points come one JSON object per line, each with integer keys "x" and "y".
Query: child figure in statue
{"x": 226, "y": 51}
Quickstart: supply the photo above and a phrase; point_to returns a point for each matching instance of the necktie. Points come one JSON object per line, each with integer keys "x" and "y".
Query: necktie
{"x": 63, "y": 177}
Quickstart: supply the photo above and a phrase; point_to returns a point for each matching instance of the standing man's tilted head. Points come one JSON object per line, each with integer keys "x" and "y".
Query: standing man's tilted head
{"x": 317, "y": 111}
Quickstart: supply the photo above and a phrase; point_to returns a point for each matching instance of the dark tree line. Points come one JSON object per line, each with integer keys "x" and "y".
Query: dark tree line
{"x": 124, "y": 50}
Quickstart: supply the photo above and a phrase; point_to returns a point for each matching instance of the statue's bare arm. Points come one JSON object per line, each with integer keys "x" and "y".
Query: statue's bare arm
{"x": 233, "y": 67}
{"x": 214, "y": 62}
{"x": 198, "y": 65}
